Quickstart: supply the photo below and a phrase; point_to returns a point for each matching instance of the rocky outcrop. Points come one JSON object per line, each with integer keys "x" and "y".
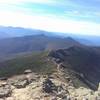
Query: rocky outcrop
{"x": 57, "y": 86}
{"x": 52, "y": 87}
{"x": 21, "y": 81}
{"x": 57, "y": 91}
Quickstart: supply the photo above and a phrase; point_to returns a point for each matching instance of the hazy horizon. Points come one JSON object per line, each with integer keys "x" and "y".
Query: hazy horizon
{"x": 66, "y": 16}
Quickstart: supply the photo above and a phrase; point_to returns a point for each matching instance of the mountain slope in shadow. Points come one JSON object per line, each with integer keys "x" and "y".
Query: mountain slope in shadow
{"x": 83, "y": 61}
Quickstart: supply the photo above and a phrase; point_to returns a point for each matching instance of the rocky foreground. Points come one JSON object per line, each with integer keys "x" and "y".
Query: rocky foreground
{"x": 31, "y": 86}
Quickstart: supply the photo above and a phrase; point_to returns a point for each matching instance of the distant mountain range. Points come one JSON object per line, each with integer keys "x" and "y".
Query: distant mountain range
{"x": 18, "y": 41}
{"x": 10, "y": 32}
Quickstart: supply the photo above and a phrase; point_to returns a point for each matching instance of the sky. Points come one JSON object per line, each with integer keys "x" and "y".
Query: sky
{"x": 66, "y": 16}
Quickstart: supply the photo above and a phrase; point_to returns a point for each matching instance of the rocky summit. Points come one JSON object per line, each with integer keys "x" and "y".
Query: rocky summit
{"x": 44, "y": 87}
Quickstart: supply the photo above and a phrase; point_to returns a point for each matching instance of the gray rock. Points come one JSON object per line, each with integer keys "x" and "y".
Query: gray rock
{"x": 3, "y": 78}
{"x": 68, "y": 98}
{"x": 32, "y": 77}
{"x": 49, "y": 86}
{"x": 22, "y": 83}
{"x": 5, "y": 91}
{"x": 62, "y": 95}
{"x": 27, "y": 71}
{"x": 54, "y": 98}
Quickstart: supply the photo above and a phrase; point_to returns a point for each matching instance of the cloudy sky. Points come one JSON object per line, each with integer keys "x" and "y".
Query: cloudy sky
{"x": 69, "y": 16}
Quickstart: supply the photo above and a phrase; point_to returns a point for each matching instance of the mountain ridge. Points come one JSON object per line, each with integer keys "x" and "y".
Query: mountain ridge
{"x": 84, "y": 60}
{"x": 33, "y": 43}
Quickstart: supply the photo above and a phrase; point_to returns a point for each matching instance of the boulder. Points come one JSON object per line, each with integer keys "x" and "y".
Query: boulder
{"x": 22, "y": 83}
{"x": 54, "y": 98}
{"x": 3, "y": 78}
{"x": 27, "y": 71}
{"x": 62, "y": 92}
{"x": 49, "y": 86}
{"x": 32, "y": 77}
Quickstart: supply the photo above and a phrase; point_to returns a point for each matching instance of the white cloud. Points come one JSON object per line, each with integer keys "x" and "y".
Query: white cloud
{"x": 23, "y": 1}
{"x": 2, "y": 2}
{"x": 48, "y": 23}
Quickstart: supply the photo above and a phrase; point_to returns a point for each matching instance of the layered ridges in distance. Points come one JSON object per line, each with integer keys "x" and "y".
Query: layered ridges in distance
{"x": 35, "y": 43}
